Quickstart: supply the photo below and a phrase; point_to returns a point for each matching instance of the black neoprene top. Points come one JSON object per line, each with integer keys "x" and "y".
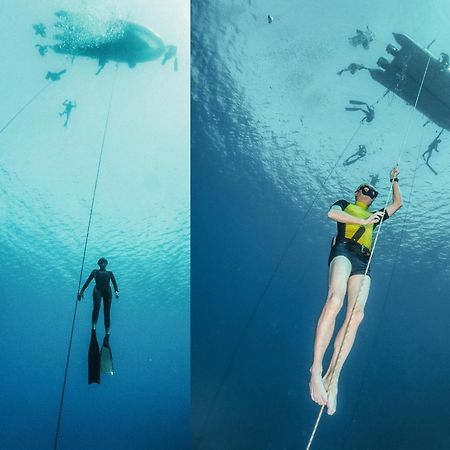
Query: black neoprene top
{"x": 102, "y": 279}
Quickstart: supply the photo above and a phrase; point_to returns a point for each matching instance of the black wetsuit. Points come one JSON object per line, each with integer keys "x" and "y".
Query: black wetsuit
{"x": 101, "y": 290}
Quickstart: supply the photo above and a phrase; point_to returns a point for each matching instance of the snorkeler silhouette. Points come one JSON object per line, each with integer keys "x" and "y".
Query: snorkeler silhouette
{"x": 369, "y": 113}
{"x": 426, "y": 155}
{"x": 360, "y": 153}
{"x": 55, "y": 76}
{"x": 362, "y": 38}
{"x": 68, "y": 106}
{"x": 39, "y": 29}
{"x": 352, "y": 68}
{"x": 42, "y": 49}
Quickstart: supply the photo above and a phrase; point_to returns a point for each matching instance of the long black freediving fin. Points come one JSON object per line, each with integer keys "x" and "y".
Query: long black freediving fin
{"x": 357, "y": 102}
{"x": 93, "y": 360}
{"x": 106, "y": 359}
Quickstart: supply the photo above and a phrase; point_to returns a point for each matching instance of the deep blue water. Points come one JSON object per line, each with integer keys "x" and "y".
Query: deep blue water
{"x": 268, "y": 126}
{"x": 140, "y": 223}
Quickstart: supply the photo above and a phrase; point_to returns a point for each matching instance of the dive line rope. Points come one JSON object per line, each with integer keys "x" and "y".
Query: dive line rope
{"x": 266, "y": 288}
{"x": 35, "y": 96}
{"x": 402, "y": 148}
{"x": 84, "y": 257}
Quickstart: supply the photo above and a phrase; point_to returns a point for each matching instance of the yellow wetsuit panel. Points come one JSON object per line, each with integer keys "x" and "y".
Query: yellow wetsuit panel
{"x": 361, "y": 211}
{"x": 348, "y": 230}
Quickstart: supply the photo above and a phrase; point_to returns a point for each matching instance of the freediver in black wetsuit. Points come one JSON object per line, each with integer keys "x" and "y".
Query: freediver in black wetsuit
{"x": 352, "y": 68}
{"x": 362, "y": 38}
{"x": 68, "y": 106}
{"x": 40, "y": 29}
{"x": 429, "y": 151}
{"x": 360, "y": 153}
{"x": 369, "y": 113}
{"x": 101, "y": 290}
{"x": 55, "y": 76}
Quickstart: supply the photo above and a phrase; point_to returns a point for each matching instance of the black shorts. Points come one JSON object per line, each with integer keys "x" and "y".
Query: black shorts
{"x": 357, "y": 259}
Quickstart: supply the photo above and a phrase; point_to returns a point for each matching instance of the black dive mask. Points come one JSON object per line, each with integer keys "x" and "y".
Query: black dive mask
{"x": 369, "y": 191}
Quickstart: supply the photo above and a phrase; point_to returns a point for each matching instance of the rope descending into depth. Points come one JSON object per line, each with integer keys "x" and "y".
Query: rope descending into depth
{"x": 83, "y": 259}
{"x": 370, "y": 257}
{"x": 28, "y": 103}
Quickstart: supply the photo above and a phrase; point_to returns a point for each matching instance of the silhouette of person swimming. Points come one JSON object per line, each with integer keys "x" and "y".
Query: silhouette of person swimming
{"x": 362, "y": 38}
{"x": 55, "y": 76}
{"x": 42, "y": 49}
{"x": 360, "y": 153}
{"x": 352, "y": 68}
{"x": 40, "y": 29}
{"x": 374, "y": 179}
{"x": 369, "y": 113}
{"x": 68, "y": 106}
{"x": 426, "y": 155}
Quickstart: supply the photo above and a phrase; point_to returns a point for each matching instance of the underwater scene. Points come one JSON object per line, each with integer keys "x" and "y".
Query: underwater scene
{"x": 95, "y": 188}
{"x": 297, "y": 106}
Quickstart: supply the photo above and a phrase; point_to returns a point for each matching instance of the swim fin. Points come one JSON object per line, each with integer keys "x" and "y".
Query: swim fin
{"x": 106, "y": 357}
{"x": 354, "y": 109}
{"x": 357, "y": 102}
{"x": 93, "y": 360}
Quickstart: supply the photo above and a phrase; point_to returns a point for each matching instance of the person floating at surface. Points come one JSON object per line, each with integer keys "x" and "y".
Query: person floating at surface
{"x": 68, "y": 106}
{"x": 348, "y": 261}
{"x": 352, "y": 68}
{"x": 42, "y": 49}
{"x": 360, "y": 153}
{"x": 362, "y": 37}
{"x": 369, "y": 113}
{"x": 40, "y": 29}
{"x": 55, "y": 76}
{"x": 101, "y": 290}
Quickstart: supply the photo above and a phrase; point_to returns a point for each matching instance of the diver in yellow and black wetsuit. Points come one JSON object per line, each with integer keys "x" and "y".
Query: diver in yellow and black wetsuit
{"x": 348, "y": 261}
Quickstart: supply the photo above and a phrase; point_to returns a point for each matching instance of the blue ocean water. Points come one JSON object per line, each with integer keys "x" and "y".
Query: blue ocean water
{"x": 140, "y": 222}
{"x": 269, "y": 137}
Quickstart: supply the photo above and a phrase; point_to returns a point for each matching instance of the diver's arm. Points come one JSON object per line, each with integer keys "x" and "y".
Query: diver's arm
{"x": 396, "y": 194}
{"x": 397, "y": 203}
{"x": 86, "y": 284}
{"x": 336, "y": 213}
{"x": 114, "y": 282}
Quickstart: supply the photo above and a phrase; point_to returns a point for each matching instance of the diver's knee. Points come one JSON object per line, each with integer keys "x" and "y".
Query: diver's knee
{"x": 334, "y": 303}
{"x": 358, "y": 316}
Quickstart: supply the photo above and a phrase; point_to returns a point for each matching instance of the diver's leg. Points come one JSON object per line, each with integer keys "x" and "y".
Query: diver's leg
{"x": 340, "y": 268}
{"x": 101, "y": 65}
{"x": 107, "y": 310}
{"x": 97, "y": 297}
{"x": 357, "y": 292}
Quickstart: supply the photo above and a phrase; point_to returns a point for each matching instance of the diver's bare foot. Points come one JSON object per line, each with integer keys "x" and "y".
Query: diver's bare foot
{"x": 332, "y": 399}
{"x": 317, "y": 390}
